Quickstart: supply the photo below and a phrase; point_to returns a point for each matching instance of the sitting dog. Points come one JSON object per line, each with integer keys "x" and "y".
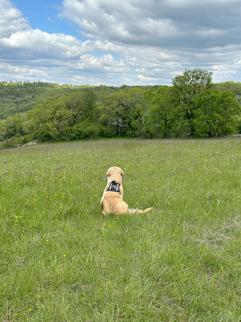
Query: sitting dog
{"x": 112, "y": 199}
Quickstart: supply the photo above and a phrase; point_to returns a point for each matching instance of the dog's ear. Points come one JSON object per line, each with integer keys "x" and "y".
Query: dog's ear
{"x": 108, "y": 173}
{"x": 122, "y": 172}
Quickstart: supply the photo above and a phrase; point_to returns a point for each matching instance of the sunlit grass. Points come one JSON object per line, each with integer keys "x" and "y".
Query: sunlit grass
{"x": 60, "y": 260}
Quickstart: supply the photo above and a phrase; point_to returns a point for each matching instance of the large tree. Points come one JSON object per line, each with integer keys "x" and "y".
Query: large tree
{"x": 186, "y": 87}
{"x": 164, "y": 118}
{"x": 216, "y": 114}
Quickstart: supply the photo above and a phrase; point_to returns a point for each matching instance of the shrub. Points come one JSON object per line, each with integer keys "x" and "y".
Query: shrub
{"x": 85, "y": 130}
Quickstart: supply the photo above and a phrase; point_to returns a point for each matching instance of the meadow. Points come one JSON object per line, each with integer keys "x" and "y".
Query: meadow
{"x": 60, "y": 260}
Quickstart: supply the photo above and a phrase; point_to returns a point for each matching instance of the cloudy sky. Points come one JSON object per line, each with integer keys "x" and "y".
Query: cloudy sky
{"x": 118, "y": 42}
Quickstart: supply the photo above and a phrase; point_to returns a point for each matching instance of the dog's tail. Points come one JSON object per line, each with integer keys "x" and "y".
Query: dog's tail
{"x": 132, "y": 211}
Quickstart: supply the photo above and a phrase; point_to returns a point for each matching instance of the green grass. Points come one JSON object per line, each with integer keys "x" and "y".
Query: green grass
{"x": 60, "y": 260}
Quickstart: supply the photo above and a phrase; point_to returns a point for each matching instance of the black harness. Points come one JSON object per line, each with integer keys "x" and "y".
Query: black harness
{"x": 114, "y": 187}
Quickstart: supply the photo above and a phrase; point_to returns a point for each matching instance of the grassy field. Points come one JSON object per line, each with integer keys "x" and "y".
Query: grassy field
{"x": 60, "y": 260}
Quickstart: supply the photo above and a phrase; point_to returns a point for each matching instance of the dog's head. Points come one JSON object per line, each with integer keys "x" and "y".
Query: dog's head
{"x": 115, "y": 173}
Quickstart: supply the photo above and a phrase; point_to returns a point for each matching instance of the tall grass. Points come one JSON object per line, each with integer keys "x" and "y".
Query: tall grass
{"x": 60, "y": 260}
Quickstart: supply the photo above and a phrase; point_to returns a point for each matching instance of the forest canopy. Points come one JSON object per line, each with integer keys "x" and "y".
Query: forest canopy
{"x": 192, "y": 107}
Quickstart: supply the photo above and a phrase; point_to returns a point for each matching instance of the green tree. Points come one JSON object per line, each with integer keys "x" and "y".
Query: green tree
{"x": 89, "y": 104}
{"x": 85, "y": 130}
{"x": 14, "y": 126}
{"x": 163, "y": 118}
{"x": 186, "y": 87}
{"x": 216, "y": 114}
{"x": 82, "y": 104}
{"x": 50, "y": 122}
{"x": 2, "y": 130}
{"x": 122, "y": 112}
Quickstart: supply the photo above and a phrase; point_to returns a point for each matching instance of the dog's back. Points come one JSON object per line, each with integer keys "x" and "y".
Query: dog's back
{"x": 113, "y": 204}
{"x": 112, "y": 199}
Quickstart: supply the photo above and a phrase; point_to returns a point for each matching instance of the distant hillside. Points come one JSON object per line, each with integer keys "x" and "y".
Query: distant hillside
{"x": 21, "y": 97}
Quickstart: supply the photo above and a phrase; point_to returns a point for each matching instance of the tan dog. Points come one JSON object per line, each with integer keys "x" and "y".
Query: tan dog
{"x": 112, "y": 199}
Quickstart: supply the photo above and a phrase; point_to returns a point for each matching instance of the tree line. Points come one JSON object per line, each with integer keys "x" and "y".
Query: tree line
{"x": 192, "y": 107}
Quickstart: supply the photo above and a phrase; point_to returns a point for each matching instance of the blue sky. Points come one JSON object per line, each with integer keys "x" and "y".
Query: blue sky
{"x": 114, "y": 43}
{"x": 46, "y": 15}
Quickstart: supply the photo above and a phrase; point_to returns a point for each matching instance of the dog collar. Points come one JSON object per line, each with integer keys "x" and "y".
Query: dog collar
{"x": 114, "y": 187}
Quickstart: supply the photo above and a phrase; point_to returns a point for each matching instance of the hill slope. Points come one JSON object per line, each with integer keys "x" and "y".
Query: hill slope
{"x": 21, "y": 97}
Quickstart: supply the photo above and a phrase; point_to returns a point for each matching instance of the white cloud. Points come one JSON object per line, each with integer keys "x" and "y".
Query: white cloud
{"x": 210, "y": 33}
{"x": 129, "y": 42}
{"x": 120, "y": 21}
{"x": 166, "y": 23}
{"x": 11, "y": 19}
{"x": 192, "y": 3}
{"x": 165, "y": 37}
{"x": 35, "y": 41}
